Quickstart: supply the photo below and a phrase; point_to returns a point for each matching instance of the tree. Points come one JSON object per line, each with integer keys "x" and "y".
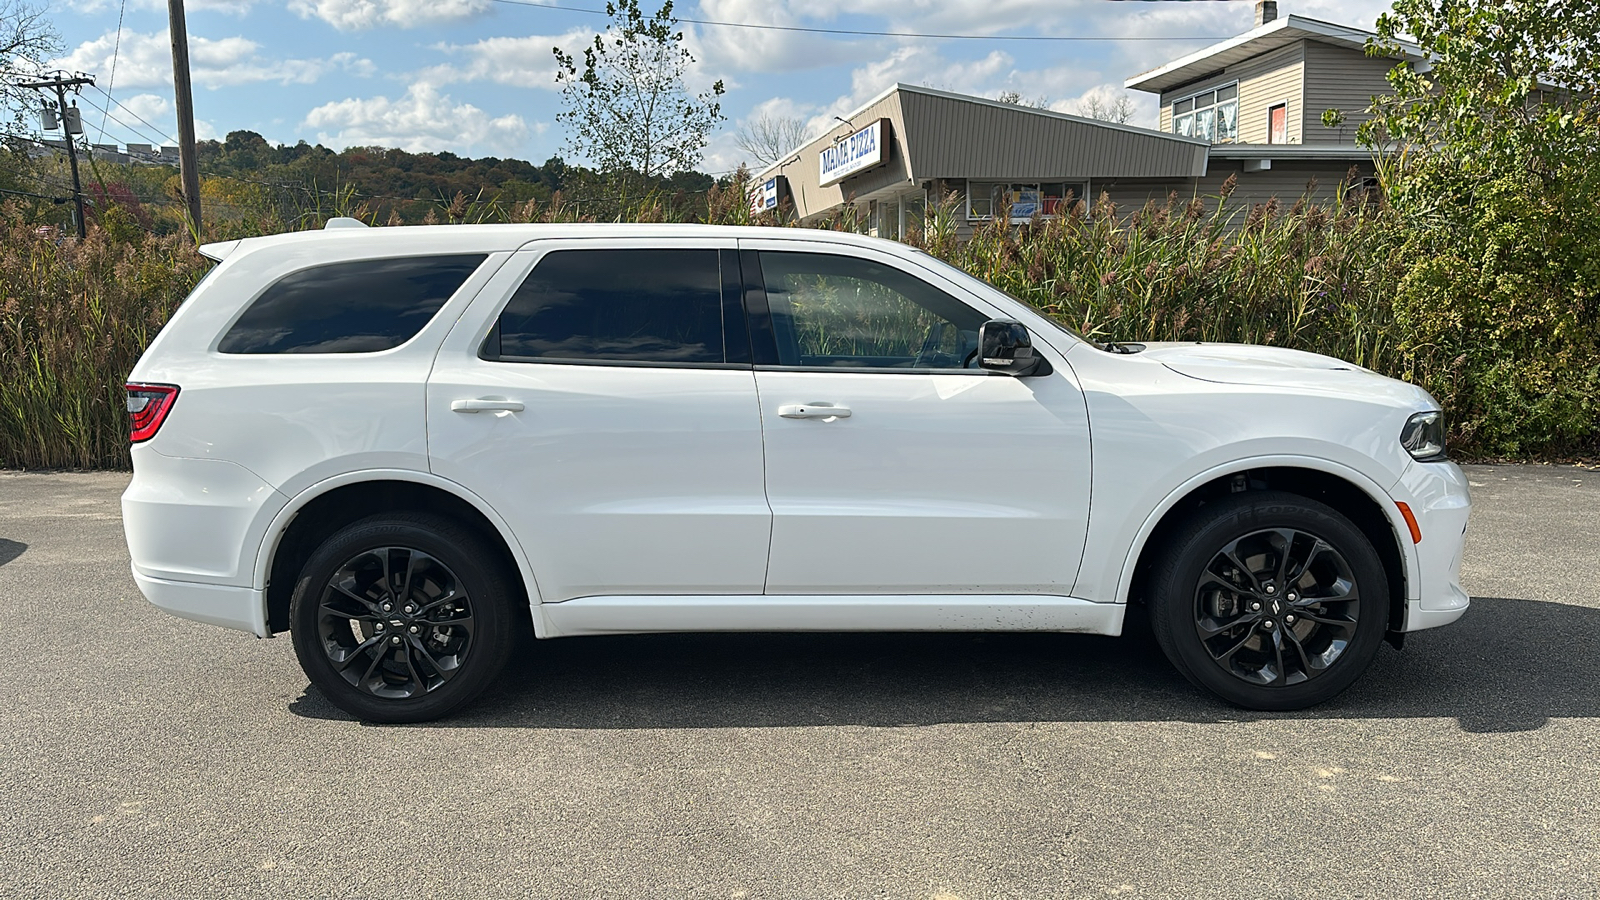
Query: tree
{"x": 27, "y": 38}
{"x": 768, "y": 139}
{"x": 1015, "y": 98}
{"x": 1119, "y": 110}
{"x": 1509, "y": 84}
{"x": 1489, "y": 155}
{"x": 627, "y": 108}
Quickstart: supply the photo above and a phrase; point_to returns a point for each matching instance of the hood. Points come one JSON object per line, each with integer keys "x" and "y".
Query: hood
{"x": 1278, "y": 367}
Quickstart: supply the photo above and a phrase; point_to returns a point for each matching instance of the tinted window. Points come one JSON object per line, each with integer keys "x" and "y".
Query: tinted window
{"x": 842, "y": 311}
{"x": 352, "y": 307}
{"x": 639, "y": 305}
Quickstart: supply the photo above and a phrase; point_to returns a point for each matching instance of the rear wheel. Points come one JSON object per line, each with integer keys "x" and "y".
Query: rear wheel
{"x": 1269, "y": 600}
{"x": 402, "y": 617}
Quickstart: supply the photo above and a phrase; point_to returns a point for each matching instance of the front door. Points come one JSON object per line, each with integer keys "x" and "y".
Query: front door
{"x": 893, "y": 464}
{"x": 594, "y": 397}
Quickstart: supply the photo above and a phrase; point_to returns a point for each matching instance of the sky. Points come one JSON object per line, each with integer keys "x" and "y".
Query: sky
{"x": 477, "y": 77}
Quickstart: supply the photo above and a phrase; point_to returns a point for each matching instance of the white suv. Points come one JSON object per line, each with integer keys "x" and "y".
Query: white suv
{"x": 408, "y": 445}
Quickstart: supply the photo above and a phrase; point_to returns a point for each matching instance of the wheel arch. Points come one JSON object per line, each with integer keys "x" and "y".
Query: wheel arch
{"x": 1353, "y": 494}
{"x": 325, "y": 507}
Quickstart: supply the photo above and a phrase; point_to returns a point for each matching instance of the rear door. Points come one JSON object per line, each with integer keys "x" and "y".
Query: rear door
{"x": 599, "y": 395}
{"x": 893, "y": 464}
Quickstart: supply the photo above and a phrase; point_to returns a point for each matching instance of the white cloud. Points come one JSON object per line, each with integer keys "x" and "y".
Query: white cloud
{"x": 916, "y": 65}
{"x": 236, "y": 7}
{"x": 149, "y": 107}
{"x": 357, "y": 15}
{"x": 145, "y": 60}
{"x": 358, "y": 66}
{"x": 763, "y": 50}
{"x": 516, "y": 61}
{"x": 422, "y": 120}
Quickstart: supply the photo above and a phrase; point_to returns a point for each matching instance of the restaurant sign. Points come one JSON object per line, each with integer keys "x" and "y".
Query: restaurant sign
{"x": 764, "y": 195}
{"x": 862, "y": 150}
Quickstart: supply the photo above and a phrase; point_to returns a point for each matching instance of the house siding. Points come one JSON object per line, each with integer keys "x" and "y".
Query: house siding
{"x": 1287, "y": 180}
{"x": 1346, "y": 80}
{"x": 1264, "y": 81}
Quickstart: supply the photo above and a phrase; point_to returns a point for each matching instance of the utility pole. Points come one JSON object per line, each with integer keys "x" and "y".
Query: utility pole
{"x": 60, "y": 84}
{"x": 187, "y": 166}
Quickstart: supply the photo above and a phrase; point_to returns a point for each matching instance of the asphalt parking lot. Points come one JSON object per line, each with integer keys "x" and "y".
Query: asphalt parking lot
{"x": 148, "y": 756}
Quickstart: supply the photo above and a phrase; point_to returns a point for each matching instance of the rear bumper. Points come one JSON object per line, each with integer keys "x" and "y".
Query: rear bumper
{"x": 217, "y": 604}
{"x": 196, "y": 520}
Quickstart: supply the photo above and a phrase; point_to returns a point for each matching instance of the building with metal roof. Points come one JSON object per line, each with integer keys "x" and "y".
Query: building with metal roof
{"x": 1250, "y": 108}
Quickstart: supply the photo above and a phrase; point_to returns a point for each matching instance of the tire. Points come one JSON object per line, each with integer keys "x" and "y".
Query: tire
{"x": 403, "y": 617}
{"x": 1224, "y": 621}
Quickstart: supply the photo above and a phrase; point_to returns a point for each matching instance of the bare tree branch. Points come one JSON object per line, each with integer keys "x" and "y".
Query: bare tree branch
{"x": 1119, "y": 110}
{"x": 767, "y": 139}
{"x": 1016, "y": 98}
{"x": 27, "y": 39}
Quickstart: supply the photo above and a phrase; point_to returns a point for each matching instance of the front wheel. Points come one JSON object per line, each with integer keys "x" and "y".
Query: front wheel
{"x": 402, "y": 617}
{"x": 1270, "y": 600}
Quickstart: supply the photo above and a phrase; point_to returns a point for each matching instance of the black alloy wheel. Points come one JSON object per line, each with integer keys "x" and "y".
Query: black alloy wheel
{"x": 402, "y": 617}
{"x": 395, "y": 622}
{"x": 1269, "y": 600}
{"x": 1277, "y": 606}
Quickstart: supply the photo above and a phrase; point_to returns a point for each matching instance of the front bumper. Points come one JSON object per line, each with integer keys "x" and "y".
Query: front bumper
{"x": 1438, "y": 495}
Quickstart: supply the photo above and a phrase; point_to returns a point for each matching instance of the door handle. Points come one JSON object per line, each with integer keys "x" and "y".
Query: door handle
{"x": 485, "y": 404}
{"x": 813, "y": 411}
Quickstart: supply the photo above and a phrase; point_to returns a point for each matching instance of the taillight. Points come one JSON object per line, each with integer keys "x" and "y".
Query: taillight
{"x": 148, "y": 405}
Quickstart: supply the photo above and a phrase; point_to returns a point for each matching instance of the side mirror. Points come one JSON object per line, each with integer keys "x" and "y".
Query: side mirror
{"x": 1004, "y": 345}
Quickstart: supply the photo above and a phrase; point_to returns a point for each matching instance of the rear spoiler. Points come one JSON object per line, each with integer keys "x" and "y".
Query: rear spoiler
{"x": 218, "y": 251}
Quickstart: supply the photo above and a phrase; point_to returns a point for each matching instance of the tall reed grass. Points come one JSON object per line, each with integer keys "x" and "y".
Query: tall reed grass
{"x": 1309, "y": 276}
{"x": 74, "y": 317}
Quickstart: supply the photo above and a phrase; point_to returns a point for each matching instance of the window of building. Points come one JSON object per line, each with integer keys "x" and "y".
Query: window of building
{"x": 843, "y": 311}
{"x": 1278, "y": 124}
{"x": 1021, "y": 201}
{"x": 349, "y": 307}
{"x": 1212, "y": 115}
{"x": 634, "y": 305}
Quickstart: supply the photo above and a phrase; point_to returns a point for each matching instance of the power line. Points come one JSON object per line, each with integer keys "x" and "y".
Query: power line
{"x": 111, "y": 80}
{"x": 106, "y": 110}
{"x": 124, "y": 107}
{"x": 56, "y": 200}
{"x": 865, "y": 33}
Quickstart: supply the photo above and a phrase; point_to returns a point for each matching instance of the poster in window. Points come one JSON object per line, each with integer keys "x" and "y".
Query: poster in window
{"x": 1024, "y": 204}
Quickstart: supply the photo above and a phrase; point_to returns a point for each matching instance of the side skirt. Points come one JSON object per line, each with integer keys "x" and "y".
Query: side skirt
{"x": 954, "y": 612}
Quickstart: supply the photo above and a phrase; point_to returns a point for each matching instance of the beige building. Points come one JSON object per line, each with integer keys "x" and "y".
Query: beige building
{"x": 1250, "y": 107}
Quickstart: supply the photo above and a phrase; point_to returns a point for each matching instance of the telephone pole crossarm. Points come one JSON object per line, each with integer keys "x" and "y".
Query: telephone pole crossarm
{"x": 61, "y": 84}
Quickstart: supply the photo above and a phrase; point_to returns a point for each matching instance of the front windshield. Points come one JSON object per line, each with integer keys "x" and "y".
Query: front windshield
{"x": 980, "y": 285}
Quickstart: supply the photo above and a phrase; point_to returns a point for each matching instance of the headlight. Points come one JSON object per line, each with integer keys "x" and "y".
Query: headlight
{"x": 1423, "y": 436}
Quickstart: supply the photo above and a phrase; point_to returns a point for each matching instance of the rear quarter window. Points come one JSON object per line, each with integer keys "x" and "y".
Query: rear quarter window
{"x": 349, "y": 307}
{"x": 642, "y": 306}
